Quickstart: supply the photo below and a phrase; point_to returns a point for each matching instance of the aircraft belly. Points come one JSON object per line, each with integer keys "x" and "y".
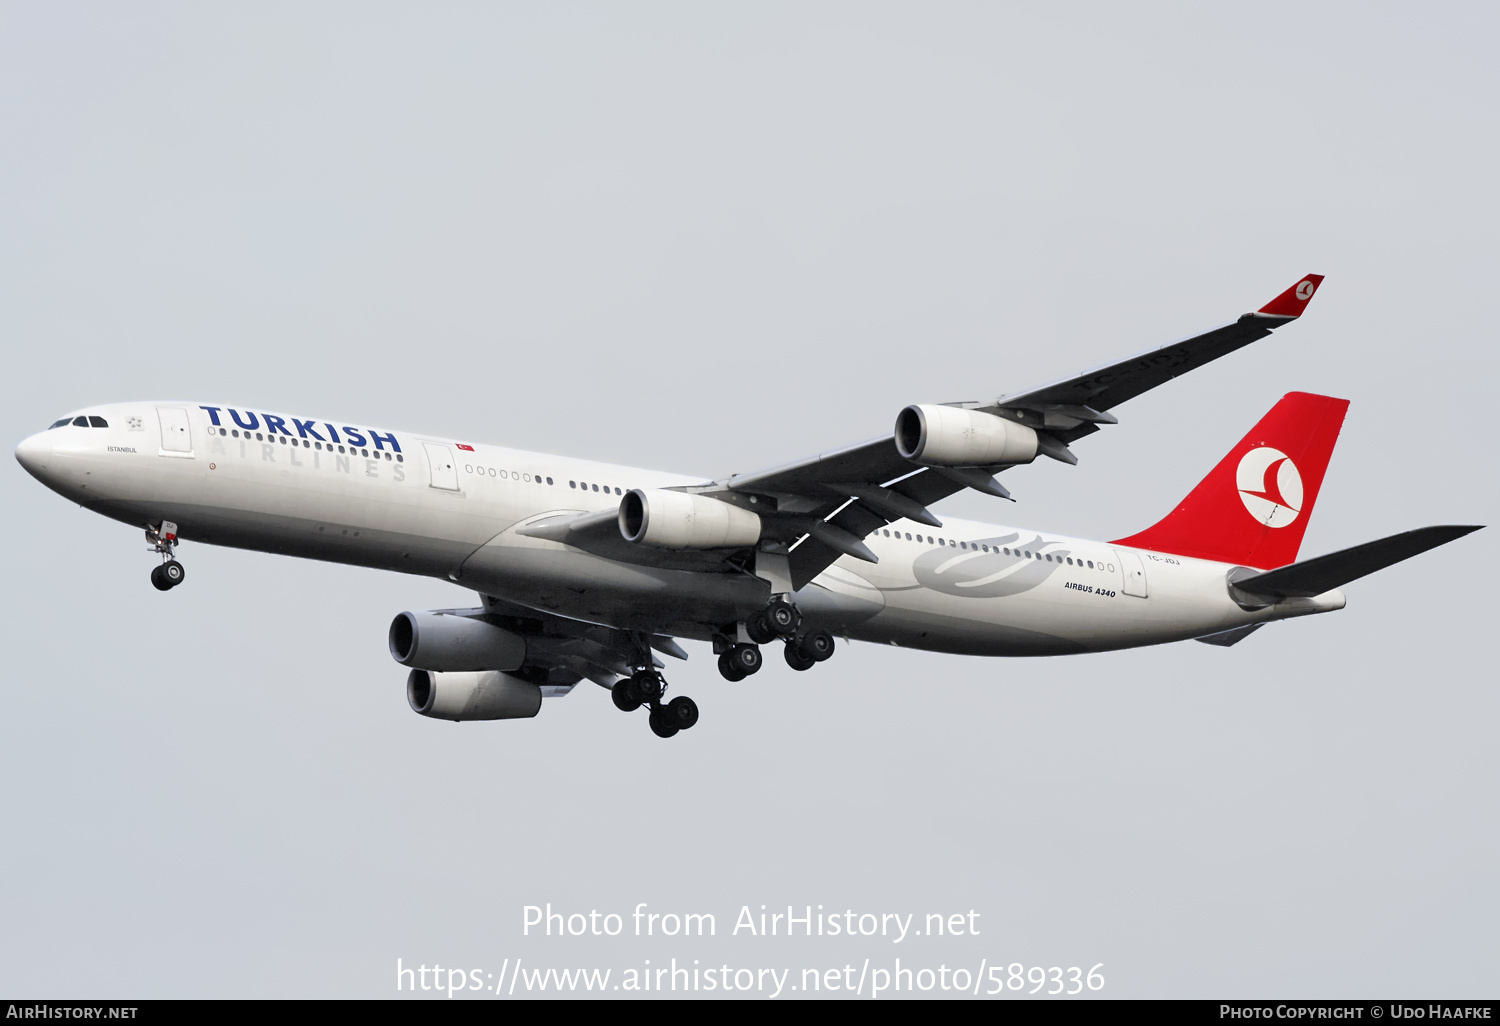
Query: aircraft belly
{"x": 558, "y": 578}
{"x": 838, "y": 599}
{"x": 382, "y": 548}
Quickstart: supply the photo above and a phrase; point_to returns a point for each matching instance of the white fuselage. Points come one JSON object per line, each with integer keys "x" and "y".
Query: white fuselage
{"x": 436, "y": 507}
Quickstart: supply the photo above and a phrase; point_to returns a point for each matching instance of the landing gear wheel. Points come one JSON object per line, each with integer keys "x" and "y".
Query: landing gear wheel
{"x": 728, "y": 669}
{"x": 782, "y": 616}
{"x": 626, "y": 696}
{"x": 173, "y": 573}
{"x": 159, "y": 579}
{"x": 816, "y": 645}
{"x": 647, "y": 686}
{"x": 796, "y": 660}
{"x": 681, "y": 712}
{"x": 760, "y": 629}
{"x": 746, "y": 658}
{"x": 659, "y": 724}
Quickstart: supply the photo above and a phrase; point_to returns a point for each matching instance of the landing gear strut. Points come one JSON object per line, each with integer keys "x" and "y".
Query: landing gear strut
{"x": 163, "y": 540}
{"x": 646, "y": 687}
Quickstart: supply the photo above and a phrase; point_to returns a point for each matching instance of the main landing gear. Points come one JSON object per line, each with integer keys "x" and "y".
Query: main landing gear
{"x": 739, "y": 661}
{"x": 810, "y": 649}
{"x": 779, "y": 620}
{"x": 163, "y": 540}
{"x": 646, "y": 687}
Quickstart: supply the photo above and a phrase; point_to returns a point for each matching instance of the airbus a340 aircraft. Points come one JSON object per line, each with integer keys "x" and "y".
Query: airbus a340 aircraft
{"x": 584, "y": 570}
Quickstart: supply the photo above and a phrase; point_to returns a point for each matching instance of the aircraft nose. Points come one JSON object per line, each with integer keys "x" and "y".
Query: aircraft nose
{"x": 33, "y": 453}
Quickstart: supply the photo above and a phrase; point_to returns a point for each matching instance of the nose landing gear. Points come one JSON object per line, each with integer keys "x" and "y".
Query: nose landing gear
{"x": 163, "y": 540}
{"x": 645, "y": 687}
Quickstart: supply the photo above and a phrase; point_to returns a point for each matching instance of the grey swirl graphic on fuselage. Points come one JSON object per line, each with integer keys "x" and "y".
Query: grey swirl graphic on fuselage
{"x": 1014, "y": 563}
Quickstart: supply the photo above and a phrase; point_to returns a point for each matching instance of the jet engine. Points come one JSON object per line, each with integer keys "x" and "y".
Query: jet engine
{"x": 677, "y": 520}
{"x": 487, "y": 695}
{"x": 451, "y": 641}
{"x": 947, "y": 436}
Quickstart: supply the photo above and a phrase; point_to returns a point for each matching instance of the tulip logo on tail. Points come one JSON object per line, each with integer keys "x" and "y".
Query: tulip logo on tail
{"x": 1270, "y": 486}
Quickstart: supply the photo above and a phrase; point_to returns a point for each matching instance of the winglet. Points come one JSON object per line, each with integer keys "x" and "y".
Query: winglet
{"x": 1294, "y": 300}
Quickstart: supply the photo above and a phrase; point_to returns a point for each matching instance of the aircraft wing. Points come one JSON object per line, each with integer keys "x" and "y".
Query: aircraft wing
{"x": 571, "y": 649}
{"x": 1071, "y": 407}
{"x": 822, "y": 506}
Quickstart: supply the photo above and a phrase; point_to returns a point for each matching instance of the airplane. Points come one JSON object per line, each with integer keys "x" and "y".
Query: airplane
{"x": 589, "y": 570}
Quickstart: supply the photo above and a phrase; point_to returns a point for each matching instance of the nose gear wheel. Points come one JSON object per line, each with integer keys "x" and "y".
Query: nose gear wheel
{"x": 163, "y": 539}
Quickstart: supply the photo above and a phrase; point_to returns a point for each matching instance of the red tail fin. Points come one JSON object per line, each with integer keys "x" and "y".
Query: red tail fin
{"x": 1253, "y": 507}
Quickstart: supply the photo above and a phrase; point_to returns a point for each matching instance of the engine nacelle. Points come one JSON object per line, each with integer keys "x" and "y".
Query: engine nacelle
{"x": 947, "y": 436}
{"x": 487, "y": 695}
{"x": 449, "y": 642}
{"x": 677, "y": 520}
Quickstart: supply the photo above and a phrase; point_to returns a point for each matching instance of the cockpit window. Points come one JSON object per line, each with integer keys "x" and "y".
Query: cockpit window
{"x": 98, "y": 422}
{"x": 62, "y": 423}
{"x": 80, "y": 422}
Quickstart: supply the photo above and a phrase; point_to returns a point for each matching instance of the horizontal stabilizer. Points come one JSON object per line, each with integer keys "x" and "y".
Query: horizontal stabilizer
{"x": 1324, "y": 573}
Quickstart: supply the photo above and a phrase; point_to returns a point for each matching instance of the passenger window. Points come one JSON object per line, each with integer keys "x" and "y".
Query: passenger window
{"x": 908, "y": 536}
{"x": 596, "y": 488}
{"x": 549, "y": 480}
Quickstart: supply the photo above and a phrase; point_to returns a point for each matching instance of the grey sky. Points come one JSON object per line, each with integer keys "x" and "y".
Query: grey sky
{"x": 709, "y": 238}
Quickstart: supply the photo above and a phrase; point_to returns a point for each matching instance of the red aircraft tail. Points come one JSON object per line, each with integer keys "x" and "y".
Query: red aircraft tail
{"x": 1253, "y": 508}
